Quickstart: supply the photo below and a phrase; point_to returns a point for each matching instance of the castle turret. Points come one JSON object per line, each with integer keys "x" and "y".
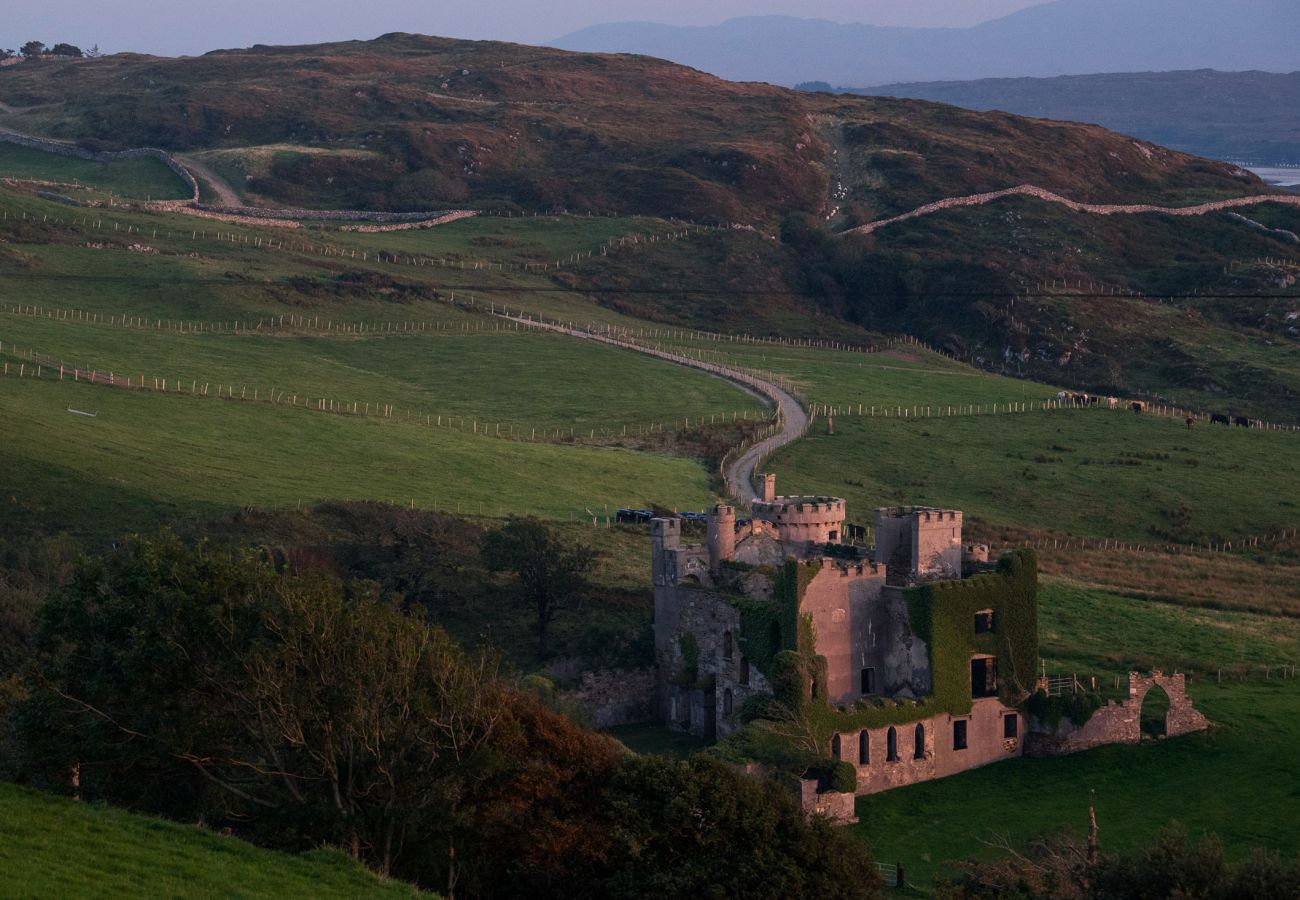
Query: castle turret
{"x": 722, "y": 535}
{"x": 818, "y": 520}
{"x": 767, "y": 488}
{"x": 918, "y": 541}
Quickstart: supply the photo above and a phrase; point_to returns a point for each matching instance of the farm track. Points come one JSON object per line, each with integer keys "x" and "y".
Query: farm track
{"x": 1098, "y": 209}
{"x": 739, "y": 473}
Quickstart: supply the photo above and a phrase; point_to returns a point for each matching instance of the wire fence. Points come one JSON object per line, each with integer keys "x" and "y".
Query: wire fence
{"x": 33, "y": 365}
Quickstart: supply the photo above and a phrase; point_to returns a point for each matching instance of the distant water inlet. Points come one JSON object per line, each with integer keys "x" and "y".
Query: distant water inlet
{"x": 1282, "y": 176}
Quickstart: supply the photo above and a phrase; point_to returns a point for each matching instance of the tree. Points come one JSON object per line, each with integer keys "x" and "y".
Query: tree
{"x": 203, "y": 684}
{"x": 701, "y": 829}
{"x": 550, "y": 571}
{"x": 32, "y": 49}
{"x": 69, "y": 50}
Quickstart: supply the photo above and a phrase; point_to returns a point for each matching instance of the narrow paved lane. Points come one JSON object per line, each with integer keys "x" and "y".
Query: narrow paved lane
{"x": 792, "y": 420}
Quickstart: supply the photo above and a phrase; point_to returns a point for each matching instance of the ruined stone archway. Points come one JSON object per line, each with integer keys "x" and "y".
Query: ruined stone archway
{"x": 1153, "y": 719}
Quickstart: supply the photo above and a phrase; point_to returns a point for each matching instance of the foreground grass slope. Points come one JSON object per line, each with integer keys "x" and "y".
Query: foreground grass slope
{"x": 52, "y": 847}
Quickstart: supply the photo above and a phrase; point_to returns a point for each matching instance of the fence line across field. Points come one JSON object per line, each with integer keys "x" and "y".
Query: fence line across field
{"x": 936, "y": 411}
{"x": 43, "y": 367}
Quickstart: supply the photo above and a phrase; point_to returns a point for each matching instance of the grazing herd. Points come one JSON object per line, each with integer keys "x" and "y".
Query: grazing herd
{"x": 1070, "y": 398}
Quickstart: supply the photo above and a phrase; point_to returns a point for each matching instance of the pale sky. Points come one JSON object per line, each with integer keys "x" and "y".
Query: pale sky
{"x": 196, "y": 26}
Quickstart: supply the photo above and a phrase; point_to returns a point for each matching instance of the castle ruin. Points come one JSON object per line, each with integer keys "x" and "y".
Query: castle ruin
{"x": 904, "y": 663}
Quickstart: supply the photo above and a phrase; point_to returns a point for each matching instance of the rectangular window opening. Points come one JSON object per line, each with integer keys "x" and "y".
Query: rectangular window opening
{"x": 959, "y": 734}
{"x": 1010, "y": 726}
{"x": 868, "y": 681}
{"x": 983, "y": 677}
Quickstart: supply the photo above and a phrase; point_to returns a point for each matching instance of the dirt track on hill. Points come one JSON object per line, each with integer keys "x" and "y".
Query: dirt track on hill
{"x": 739, "y": 473}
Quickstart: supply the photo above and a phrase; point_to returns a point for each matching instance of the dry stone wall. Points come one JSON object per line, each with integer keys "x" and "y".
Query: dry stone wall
{"x": 1099, "y": 209}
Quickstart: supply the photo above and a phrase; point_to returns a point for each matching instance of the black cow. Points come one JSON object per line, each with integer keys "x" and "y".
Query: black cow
{"x": 1241, "y": 421}
{"x": 1217, "y": 419}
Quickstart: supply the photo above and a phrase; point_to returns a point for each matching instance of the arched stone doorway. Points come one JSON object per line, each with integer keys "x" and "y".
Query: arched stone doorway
{"x": 1153, "y": 720}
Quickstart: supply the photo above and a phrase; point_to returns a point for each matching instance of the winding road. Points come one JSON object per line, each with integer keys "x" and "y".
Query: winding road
{"x": 792, "y": 419}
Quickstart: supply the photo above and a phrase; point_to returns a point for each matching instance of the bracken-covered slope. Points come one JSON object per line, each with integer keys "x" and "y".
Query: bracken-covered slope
{"x": 410, "y": 122}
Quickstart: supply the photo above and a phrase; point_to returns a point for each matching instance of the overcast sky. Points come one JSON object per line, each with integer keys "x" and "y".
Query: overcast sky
{"x": 196, "y": 26}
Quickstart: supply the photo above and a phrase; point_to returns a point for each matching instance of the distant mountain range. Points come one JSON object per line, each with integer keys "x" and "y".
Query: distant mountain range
{"x": 1066, "y": 37}
{"x": 1251, "y": 117}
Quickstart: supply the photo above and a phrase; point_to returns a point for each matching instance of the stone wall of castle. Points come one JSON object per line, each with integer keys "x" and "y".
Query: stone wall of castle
{"x": 935, "y": 754}
{"x": 616, "y": 697}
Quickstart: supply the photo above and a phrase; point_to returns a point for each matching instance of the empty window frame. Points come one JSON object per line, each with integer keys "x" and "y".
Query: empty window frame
{"x": 959, "y": 735}
{"x": 868, "y": 681}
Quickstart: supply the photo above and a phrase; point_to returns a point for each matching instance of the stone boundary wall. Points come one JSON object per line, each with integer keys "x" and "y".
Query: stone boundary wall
{"x": 1121, "y": 722}
{"x": 616, "y": 697}
{"x": 445, "y": 219}
{"x": 61, "y": 148}
{"x": 323, "y": 215}
{"x": 1100, "y": 209}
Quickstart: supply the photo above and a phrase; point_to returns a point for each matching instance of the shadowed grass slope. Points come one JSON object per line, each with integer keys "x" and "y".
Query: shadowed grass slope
{"x": 52, "y": 847}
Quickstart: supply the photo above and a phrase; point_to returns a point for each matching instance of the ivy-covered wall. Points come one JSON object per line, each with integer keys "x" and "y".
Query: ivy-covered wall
{"x": 943, "y": 615}
{"x": 768, "y": 627}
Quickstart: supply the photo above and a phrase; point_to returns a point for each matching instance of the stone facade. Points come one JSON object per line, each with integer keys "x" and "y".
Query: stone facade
{"x": 929, "y": 748}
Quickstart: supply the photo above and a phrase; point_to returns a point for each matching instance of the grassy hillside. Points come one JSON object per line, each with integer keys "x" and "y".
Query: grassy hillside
{"x": 52, "y": 847}
{"x": 418, "y": 122}
{"x": 1020, "y": 286}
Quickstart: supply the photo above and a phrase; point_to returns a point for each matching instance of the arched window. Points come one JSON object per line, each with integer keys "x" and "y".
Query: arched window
{"x": 891, "y": 745}
{"x": 726, "y": 702}
{"x": 835, "y": 747}
{"x": 726, "y": 645}
{"x": 920, "y": 742}
{"x": 744, "y": 671}
{"x": 864, "y": 747}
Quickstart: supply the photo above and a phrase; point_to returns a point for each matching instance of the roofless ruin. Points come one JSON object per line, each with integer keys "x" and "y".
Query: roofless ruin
{"x": 862, "y": 669}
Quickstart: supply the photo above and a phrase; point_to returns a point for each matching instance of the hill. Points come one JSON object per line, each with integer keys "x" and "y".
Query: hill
{"x": 1066, "y": 37}
{"x": 53, "y": 847}
{"x": 415, "y": 123}
{"x": 1244, "y": 116}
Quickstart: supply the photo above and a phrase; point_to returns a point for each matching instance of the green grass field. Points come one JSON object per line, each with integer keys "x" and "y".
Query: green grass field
{"x": 53, "y": 847}
{"x": 142, "y": 179}
{"x": 1095, "y": 473}
{"x": 147, "y": 458}
{"x": 1238, "y": 781}
{"x": 527, "y": 379}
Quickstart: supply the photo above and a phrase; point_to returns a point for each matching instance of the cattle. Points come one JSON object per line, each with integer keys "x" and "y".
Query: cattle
{"x": 1191, "y": 423}
{"x": 1241, "y": 421}
{"x": 1112, "y": 403}
{"x": 1138, "y": 406}
{"x": 1218, "y": 419}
